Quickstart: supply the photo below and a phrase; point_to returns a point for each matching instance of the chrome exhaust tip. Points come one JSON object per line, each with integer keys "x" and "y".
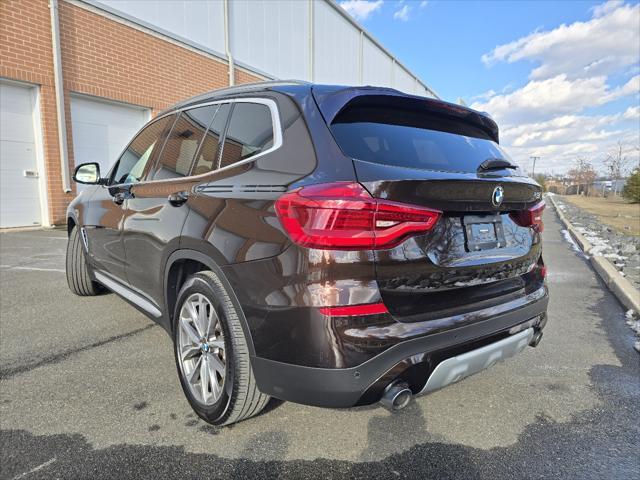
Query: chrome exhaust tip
{"x": 537, "y": 336}
{"x": 396, "y": 396}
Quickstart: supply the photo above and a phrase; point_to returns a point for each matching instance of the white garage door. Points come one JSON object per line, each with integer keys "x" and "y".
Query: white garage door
{"x": 102, "y": 129}
{"x": 19, "y": 177}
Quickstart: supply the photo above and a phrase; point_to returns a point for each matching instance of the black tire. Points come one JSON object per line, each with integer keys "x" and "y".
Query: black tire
{"x": 240, "y": 398}
{"x": 78, "y": 277}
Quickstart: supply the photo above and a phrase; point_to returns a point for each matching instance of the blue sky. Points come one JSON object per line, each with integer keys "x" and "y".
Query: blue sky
{"x": 561, "y": 78}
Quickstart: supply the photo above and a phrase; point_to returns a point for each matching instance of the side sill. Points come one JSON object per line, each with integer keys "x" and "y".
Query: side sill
{"x": 128, "y": 295}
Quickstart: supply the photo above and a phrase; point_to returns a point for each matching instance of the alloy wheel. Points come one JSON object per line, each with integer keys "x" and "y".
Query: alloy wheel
{"x": 201, "y": 349}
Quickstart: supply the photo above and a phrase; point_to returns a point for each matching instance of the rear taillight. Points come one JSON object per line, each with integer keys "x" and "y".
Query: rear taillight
{"x": 344, "y": 216}
{"x": 532, "y": 217}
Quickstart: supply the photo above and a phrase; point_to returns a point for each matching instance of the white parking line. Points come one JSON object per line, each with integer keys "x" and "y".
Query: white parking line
{"x": 35, "y": 469}
{"x": 37, "y": 269}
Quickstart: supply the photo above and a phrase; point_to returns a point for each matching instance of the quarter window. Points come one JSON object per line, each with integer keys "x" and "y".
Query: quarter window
{"x": 133, "y": 163}
{"x": 183, "y": 142}
{"x": 250, "y": 132}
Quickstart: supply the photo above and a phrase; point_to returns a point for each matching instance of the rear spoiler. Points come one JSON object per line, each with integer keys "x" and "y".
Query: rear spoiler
{"x": 332, "y": 100}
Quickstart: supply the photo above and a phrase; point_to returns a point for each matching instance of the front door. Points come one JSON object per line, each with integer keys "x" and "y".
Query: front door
{"x": 103, "y": 218}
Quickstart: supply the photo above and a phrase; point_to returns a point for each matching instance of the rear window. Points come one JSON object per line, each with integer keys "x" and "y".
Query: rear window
{"x": 410, "y": 138}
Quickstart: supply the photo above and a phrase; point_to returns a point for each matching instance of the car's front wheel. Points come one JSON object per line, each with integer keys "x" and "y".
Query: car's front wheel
{"x": 211, "y": 353}
{"x": 78, "y": 277}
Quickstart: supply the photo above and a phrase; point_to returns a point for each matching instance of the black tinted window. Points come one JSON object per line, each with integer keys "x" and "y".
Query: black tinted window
{"x": 208, "y": 155}
{"x": 133, "y": 163}
{"x": 250, "y": 132}
{"x": 183, "y": 142}
{"x": 412, "y": 139}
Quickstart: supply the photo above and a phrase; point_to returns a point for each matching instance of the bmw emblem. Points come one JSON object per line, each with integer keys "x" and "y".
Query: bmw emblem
{"x": 497, "y": 197}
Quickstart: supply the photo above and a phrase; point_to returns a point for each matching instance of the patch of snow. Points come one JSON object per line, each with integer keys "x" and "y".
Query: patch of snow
{"x": 630, "y": 313}
{"x": 567, "y": 236}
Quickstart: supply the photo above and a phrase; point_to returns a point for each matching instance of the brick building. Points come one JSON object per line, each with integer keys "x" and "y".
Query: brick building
{"x": 79, "y": 78}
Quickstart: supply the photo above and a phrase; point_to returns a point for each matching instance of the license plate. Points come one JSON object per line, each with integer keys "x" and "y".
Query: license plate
{"x": 483, "y": 232}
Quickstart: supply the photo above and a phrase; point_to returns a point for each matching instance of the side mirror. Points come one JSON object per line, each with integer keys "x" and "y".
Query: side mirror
{"x": 87, "y": 173}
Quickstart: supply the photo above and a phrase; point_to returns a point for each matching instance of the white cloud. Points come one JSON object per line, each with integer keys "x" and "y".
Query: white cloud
{"x": 484, "y": 96}
{"x": 560, "y": 139}
{"x": 561, "y": 130}
{"x": 603, "y": 9}
{"x": 361, "y": 9}
{"x": 424, "y": 3}
{"x": 403, "y": 13}
{"x": 632, "y": 113}
{"x": 606, "y": 43}
{"x": 540, "y": 99}
{"x": 576, "y": 69}
{"x": 629, "y": 88}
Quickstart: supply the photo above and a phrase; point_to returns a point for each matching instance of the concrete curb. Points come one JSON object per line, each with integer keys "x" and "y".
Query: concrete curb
{"x": 622, "y": 288}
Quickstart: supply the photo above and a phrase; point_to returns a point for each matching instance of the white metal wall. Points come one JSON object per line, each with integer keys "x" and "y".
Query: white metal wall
{"x": 336, "y": 47}
{"x": 312, "y": 40}
{"x": 199, "y": 22}
{"x": 376, "y": 65}
{"x": 270, "y": 36}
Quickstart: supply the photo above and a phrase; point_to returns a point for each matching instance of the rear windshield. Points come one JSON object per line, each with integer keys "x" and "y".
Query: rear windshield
{"x": 410, "y": 138}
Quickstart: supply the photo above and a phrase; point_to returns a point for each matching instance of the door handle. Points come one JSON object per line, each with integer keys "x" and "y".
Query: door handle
{"x": 178, "y": 198}
{"x": 118, "y": 198}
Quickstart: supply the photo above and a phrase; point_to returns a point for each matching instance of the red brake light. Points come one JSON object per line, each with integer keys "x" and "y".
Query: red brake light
{"x": 354, "y": 310}
{"x": 532, "y": 217}
{"x": 344, "y": 216}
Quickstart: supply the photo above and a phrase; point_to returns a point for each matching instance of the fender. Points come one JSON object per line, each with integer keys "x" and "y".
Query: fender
{"x": 188, "y": 254}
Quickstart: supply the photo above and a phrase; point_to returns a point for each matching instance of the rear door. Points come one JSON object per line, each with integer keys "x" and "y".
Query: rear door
{"x": 481, "y": 253}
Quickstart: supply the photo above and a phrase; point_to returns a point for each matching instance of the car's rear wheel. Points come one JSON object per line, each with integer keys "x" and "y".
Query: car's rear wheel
{"x": 78, "y": 277}
{"x": 211, "y": 353}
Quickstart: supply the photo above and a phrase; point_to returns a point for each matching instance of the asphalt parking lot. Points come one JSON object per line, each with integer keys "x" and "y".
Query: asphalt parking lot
{"x": 88, "y": 390}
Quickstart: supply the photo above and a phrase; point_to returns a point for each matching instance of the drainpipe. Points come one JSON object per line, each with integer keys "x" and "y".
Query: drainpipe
{"x": 361, "y": 59}
{"x": 227, "y": 46}
{"x": 59, "y": 89}
{"x": 311, "y": 34}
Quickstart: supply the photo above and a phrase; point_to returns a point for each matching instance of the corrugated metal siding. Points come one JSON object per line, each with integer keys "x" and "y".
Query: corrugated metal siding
{"x": 272, "y": 36}
{"x": 376, "y": 65}
{"x": 403, "y": 80}
{"x": 197, "y": 21}
{"x": 336, "y": 47}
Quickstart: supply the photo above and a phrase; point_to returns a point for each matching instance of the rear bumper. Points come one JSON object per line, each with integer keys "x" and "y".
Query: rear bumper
{"x": 362, "y": 384}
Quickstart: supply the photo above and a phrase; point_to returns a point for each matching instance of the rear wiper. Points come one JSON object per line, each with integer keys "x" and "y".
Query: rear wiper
{"x": 495, "y": 164}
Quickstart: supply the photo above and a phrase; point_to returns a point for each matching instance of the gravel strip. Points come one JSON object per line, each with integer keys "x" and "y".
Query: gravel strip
{"x": 623, "y": 251}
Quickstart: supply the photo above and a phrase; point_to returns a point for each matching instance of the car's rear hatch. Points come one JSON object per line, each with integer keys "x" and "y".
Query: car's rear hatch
{"x": 485, "y": 248}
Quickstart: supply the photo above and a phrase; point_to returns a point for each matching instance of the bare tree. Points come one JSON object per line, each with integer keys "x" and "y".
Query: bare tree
{"x": 582, "y": 174}
{"x": 617, "y": 163}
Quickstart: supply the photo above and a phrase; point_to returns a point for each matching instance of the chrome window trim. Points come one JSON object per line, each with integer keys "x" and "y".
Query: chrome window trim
{"x": 275, "y": 124}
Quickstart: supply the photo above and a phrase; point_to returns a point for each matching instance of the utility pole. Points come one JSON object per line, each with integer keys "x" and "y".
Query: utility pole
{"x": 533, "y": 170}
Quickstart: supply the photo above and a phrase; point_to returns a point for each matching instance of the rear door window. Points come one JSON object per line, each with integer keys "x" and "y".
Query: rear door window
{"x": 410, "y": 138}
{"x": 250, "y": 132}
{"x": 208, "y": 155}
{"x": 183, "y": 142}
